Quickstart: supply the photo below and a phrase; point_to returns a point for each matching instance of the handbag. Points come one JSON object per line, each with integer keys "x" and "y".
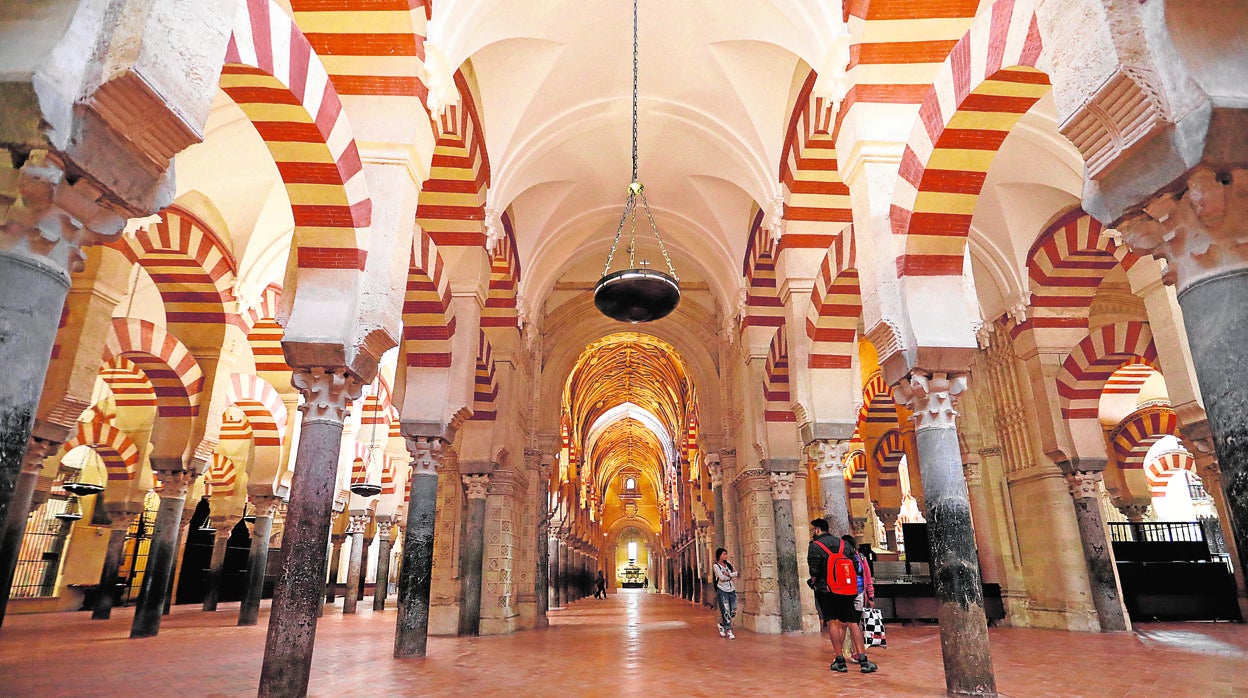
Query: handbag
{"x": 873, "y": 628}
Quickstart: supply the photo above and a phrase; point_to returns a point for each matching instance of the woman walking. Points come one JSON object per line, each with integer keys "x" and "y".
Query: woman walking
{"x": 725, "y": 592}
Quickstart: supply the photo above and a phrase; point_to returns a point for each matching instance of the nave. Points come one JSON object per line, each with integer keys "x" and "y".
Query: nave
{"x": 635, "y": 643}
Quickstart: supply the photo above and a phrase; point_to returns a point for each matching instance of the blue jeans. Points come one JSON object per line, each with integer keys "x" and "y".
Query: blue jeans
{"x": 727, "y": 603}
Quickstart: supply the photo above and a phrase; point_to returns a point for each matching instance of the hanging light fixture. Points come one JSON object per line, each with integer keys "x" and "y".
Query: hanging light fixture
{"x": 373, "y": 463}
{"x": 638, "y": 293}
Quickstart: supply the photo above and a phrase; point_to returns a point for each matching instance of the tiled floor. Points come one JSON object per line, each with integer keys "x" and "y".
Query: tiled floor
{"x": 629, "y": 645}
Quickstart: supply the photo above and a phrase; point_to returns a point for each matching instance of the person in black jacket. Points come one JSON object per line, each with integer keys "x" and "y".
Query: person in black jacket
{"x": 838, "y": 612}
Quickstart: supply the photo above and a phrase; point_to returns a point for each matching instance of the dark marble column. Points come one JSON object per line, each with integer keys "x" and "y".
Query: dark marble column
{"x": 355, "y": 533}
{"x": 566, "y": 573}
{"x": 888, "y": 519}
{"x": 118, "y": 527}
{"x": 556, "y": 573}
{"x": 257, "y": 559}
{"x": 471, "y": 555}
{"x": 297, "y": 596}
{"x": 541, "y": 578}
{"x": 162, "y": 552}
{"x": 217, "y": 564}
{"x": 335, "y": 560}
{"x": 1085, "y": 489}
{"x": 179, "y": 547}
{"x": 955, "y": 562}
{"x": 382, "y": 588}
{"x": 829, "y": 455}
{"x": 416, "y": 575}
{"x": 368, "y": 544}
{"x": 786, "y": 552}
{"x": 19, "y": 515}
{"x": 716, "y": 471}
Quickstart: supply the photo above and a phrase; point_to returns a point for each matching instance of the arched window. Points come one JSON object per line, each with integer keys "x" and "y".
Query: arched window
{"x": 630, "y": 483}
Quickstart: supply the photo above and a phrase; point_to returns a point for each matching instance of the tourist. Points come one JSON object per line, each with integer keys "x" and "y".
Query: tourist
{"x": 837, "y": 594}
{"x": 725, "y": 592}
{"x": 600, "y": 586}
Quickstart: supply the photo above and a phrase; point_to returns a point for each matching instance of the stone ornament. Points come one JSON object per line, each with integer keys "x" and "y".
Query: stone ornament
{"x": 1200, "y": 233}
{"x": 326, "y": 392}
{"x": 263, "y": 505}
{"x": 782, "y": 486}
{"x": 37, "y": 451}
{"x": 174, "y": 484}
{"x": 356, "y": 524}
{"x": 973, "y": 472}
{"x": 1084, "y": 484}
{"x": 829, "y": 456}
{"x": 930, "y": 395}
{"x": 476, "y": 486}
{"x": 383, "y": 528}
{"x": 45, "y": 216}
{"x": 426, "y": 452}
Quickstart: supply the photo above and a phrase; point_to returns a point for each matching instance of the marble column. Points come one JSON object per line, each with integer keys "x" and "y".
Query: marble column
{"x": 1211, "y": 479}
{"x": 19, "y": 514}
{"x": 297, "y": 596}
{"x": 363, "y": 583}
{"x": 355, "y": 532}
{"x": 716, "y": 470}
{"x": 162, "y": 552}
{"x": 472, "y": 552}
{"x": 220, "y": 540}
{"x": 1085, "y": 489}
{"x": 541, "y": 578}
{"x": 381, "y": 589}
{"x": 179, "y": 546}
{"x": 118, "y": 527}
{"x": 257, "y": 559}
{"x": 566, "y": 576}
{"x": 1200, "y": 233}
{"x": 556, "y": 573}
{"x": 416, "y": 575}
{"x": 888, "y": 519}
{"x": 955, "y": 562}
{"x": 335, "y": 561}
{"x": 786, "y": 552}
{"x": 829, "y": 457}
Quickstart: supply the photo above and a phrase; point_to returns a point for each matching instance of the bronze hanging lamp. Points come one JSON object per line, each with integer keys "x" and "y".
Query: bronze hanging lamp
{"x": 638, "y": 293}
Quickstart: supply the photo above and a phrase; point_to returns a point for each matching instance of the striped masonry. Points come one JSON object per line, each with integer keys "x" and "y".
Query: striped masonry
{"x": 428, "y": 324}
{"x": 1103, "y": 351}
{"x": 115, "y": 448}
{"x": 836, "y": 305}
{"x": 776, "y": 393}
{"x": 500, "y": 301}
{"x": 264, "y": 334}
{"x": 221, "y": 477}
{"x": 264, "y": 409}
{"x": 173, "y": 372}
{"x": 128, "y": 383}
{"x": 485, "y": 385}
{"x": 1162, "y": 468}
{"x": 376, "y": 48}
{"x": 763, "y": 306}
{"x": 1136, "y": 433}
{"x": 809, "y": 172}
{"x": 878, "y": 407}
{"x": 452, "y": 200}
{"x": 887, "y": 458}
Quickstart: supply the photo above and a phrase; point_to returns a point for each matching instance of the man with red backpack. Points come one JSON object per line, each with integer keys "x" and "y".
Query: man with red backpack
{"x": 835, "y": 579}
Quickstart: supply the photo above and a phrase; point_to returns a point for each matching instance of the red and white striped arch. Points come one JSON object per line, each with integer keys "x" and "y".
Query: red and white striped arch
{"x": 1066, "y": 265}
{"x": 1164, "y": 466}
{"x": 222, "y": 476}
{"x": 988, "y": 81}
{"x": 118, "y": 451}
{"x": 836, "y": 305}
{"x": 1135, "y": 434}
{"x": 485, "y": 385}
{"x": 273, "y": 74}
{"x": 192, "y": 268}
{"x": 887, "y": 457}
{"x": 452, "y": 200}
{"x": 235, "y": 427}
{"x": 264, "y": 334}
{"x": 878, "y": 408}
{"x": 776, "y": 392}
{"x": 856, "y": 482}
{"x": 500, "y": 302}
{"x": 1090, "y": 364}
{"x": 809, "y": 172}
{"x": 428, "y": 323}
{"x": 264, "y": 409}
{"x": 175, "y": 376}
{"x": 763, "y": 306}
{"x": 1129, "y": 379}
{"x": 128, "y": 384}
{"x": 375, "y": 48}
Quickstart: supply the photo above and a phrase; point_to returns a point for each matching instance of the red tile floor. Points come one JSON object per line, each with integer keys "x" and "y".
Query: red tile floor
{"x": 632, "y": 644}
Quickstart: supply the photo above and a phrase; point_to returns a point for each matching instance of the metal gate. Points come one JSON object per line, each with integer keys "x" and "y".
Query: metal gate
{"x": 39, "y": 560}
{"x": 137, "y": 545}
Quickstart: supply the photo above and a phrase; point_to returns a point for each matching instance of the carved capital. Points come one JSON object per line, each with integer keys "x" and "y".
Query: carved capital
{"x": 174, "y": 484}
{"x": 1135, "y": 513}
{"x": 973, "y": 472}
{"x": 532, "y": 458}
{"x": 326, "y": 392}
{"x": 263, "y": 505}
{"x": 37, "y": 450}
{"x": 383, "y": 528}
{"x": 1200, "y": 232}
{"x": 716, "y": 472}
{"x": 44, "y": 216}
{"x": 888, "y": 515}
{"x": 782, "y": 486}
{"x": 426, "y": 452}
{"x": 1084, "y": 484}
{"x": 930, "y": 395}
{"x": 858, "y": 526}
{"x": 829, "y": 456}
{"x": 357, "y": 524}
{"x": 477, "y": 486}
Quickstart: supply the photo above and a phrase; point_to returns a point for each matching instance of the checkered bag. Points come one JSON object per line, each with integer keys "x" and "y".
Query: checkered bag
{"x": 873, "y": 628}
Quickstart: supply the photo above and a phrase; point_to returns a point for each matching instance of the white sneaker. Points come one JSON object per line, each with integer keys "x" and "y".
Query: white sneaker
{"x": 721, "y": 631}
{"x": 731, "y": 636}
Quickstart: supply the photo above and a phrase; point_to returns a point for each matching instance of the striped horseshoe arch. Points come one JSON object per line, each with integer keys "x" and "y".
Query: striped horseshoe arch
{"x": 452, "y": 201}
{"x": 1066, "y": 265}
{"x": 273, "y": 74}
{"x": 221, "y": 477}
{"x": 500, "y": 300}
{"x": 816, "y": 194}
{"x": 485, "y": 385}
{"x": 1134, "y": 435}
{"x": 1162, "y": 468}
{"x": 887, "y": 456}
{"x": 428, "y": 323}
{"x": 878, "y": 407}
{"x": 836, "y": 305}
{"x": 379, "y": 51}
{"x": 128, "y": 384}
{"x": 1087, "y": 369}
{"x": 264, "y": 335}
{"x": 763, "y": 306}
{"x": 175, "y": 376}
{"x": 115, "y": 448}
{"x": 776, "y": 393}
{"x": 985, "y": 85}
{"x": 263, "y": 406}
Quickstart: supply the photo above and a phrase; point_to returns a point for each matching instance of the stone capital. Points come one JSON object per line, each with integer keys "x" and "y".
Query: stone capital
{"x": 37, "y": 450}
{"x": 174, "y": 484}
{"x": 1135, "y": 513}
{"x": 1201, "y": 232}
{"x": 930, "y": 395}
{"x": 326, "y": 392}
{"x": 1084, "y": 484}
{"x": 477, "y": 486}
{"x": 888, "y": 515}
{"x": 357, "y": 524}
{"x": 716, "y": 473}
{"x": 383, "y": 528}
{"x": 45, "y": 217}
{"x": 973, "y": 471}
{"x": 829, "y": 456}
{"x": 263, "y": 505}
{"x": 532, "y": 458}
{"x": 782, "y": 486}
{"x": 426, "y": 452}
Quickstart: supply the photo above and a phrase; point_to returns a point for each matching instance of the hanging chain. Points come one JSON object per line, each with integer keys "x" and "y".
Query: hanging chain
{"x": 634, "y": 180}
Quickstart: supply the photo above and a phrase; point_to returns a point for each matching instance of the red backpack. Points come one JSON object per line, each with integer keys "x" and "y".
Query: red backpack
{"x": 841, "y": 579}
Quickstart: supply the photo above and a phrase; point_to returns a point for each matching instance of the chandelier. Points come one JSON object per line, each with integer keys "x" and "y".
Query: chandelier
{"x": 638, "y": 293}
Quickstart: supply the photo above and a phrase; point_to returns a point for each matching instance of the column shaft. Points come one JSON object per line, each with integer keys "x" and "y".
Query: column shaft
{"x": 556, "y": 574}
{"x": 219, "y": 544}
{"x": 107, "y": 595}
{"x": 416, "y": 574}
{"x": 14, "y": 532}
{"x": 257, "y": 565}
{"x": 335, "y": 559}
{"x": 565, "y": 575}
{"x": 470, "y": 560}
{"x": 351, "y": 596}
{"x": 381, "y": 588}
{"x": 162, "y": 553}
{"x": 1102, "y": 573}
{"x": 359, "y": 590}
